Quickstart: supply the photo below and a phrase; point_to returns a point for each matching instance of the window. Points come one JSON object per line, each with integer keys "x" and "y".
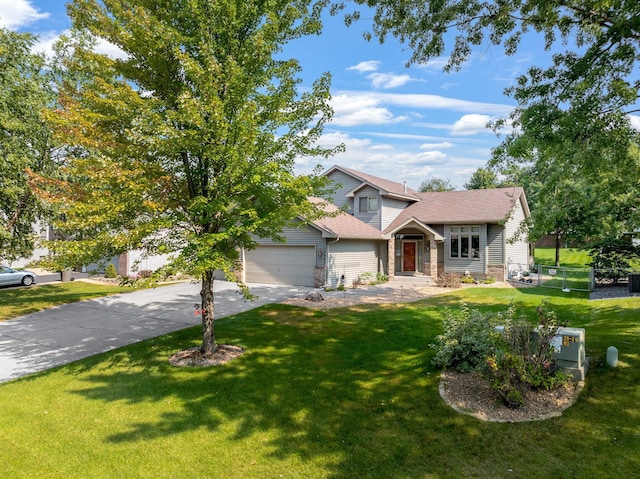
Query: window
{"x": 368, "y": 204}
{"x": 465, "y": 242}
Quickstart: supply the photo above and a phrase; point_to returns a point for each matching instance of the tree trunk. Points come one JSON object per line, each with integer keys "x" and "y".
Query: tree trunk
{"x": 207, "y": 312}
{"x": 558, "y": 237}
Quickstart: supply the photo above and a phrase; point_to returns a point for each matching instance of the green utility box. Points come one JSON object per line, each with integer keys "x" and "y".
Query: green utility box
{"x": 569, "y": 352}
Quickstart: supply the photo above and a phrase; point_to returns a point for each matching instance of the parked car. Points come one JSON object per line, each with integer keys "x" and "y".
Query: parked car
{"x": 9, "y": 276}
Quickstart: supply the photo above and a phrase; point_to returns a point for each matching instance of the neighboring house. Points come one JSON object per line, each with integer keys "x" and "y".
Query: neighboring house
{"x": 393, "y": 230}
{"x": 44, "y": 232}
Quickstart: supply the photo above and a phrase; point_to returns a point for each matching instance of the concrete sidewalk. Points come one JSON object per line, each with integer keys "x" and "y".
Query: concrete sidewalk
{"x": 74, "y": 331}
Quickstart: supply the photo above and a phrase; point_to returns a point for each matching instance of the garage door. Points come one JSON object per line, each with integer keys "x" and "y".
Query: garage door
{"x": 293, "y": 265}
{"x": 349, "y": 259}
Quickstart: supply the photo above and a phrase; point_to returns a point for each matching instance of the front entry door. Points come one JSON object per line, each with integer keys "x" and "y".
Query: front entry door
{"x": 408, "y": 256}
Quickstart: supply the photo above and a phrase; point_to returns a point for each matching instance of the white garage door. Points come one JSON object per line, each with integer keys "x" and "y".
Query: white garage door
{"x": 293, "y": 265}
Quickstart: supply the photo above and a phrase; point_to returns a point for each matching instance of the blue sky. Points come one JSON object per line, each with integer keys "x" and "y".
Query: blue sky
{"x": 403, "y": 124}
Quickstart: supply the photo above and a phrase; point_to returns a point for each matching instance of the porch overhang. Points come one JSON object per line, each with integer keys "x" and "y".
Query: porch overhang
{"x": 413, "y": 222}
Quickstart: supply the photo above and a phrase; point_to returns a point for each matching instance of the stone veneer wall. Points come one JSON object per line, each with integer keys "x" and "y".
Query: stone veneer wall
{"x": 320, "y": 276}
{"x": 497, "y": 271}
{"x": 391, "y": 254}
{"x": 123, "y": 264}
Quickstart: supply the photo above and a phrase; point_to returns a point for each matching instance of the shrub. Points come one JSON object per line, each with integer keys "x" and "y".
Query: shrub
{"x": 110, "y": 271}
{"x": 489, "y": 280}
{"x": 382, "y": 278}
{"x": 523, "y": 357}
{"x": 467, "y": 340}
{"x": 467, "y": 280}
{"x": 516, "y": 358}
{"x": 612, "y": 259}
{"x": 365, "y": 278}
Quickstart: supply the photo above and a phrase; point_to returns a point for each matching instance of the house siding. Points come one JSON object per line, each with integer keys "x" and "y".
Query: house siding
{"x": 351, "y": 258}
{"x": 517, "y": 252}
{"x": 462, "y": 265}
{"x": 372, "y": 219}
{"x": 495, "y": 244}
{"x": 390, "y": 209}
{"x": 346, "y": 184}
{"x": 303, "y": 236}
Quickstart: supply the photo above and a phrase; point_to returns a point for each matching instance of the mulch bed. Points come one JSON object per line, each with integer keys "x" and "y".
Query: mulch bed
{"x": 193, "y": 357}
{"x": 471, "y": 394}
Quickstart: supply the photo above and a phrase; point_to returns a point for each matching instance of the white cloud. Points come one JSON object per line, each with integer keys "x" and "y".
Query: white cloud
{"x": 417, "y": 100}
{"x": 361, "y": 110}
{"x": 431, "y": 146}
{"x": 432, "y": 157}
{"x": 448, "y": 85}
{"x": 394, "y": 162}
{"x": 362, "y": 67}
{"x": 635, "y": 121}
{"x": 47, "y": 40}
{"x": 111, "y": 50}
{"x": 18, "y": 13}
{"x": 353, "y": 108}
{"x": 437, "y": 63}
{"x": 403, "y": 136}
{"x": 381, "y": 146}
{"x": 378, "y": 79}
{"x": 388, "y": 80}
{"x": 470, "y": 124}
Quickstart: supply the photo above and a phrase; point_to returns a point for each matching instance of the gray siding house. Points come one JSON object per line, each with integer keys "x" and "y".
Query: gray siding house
{"x": 388, "y": 228}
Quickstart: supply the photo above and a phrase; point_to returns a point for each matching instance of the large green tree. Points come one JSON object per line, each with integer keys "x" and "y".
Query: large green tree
{"x": 573, "y": 207}
{"x": 435, "y": 184}
{"x": 482, "y": 179}
{"x": 573, "y": 113}
{"x": 187, "y": 144}
{"x": 25, "y": 140}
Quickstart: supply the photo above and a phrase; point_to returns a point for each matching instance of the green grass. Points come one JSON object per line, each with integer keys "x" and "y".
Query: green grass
{"x": 16, "y": 302}
{"x": 346, "y": 393}
{"x": 569, "y": 257}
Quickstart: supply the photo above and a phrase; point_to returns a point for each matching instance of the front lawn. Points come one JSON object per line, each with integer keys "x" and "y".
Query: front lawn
{"x": 16, "y": 302}
{"x": 347, "y": 393}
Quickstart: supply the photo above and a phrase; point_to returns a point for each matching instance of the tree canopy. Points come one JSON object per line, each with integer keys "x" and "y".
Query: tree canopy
{"x": 572, "y": 117}
{"x": 482, "y": 179}
{"x": 186, "y": 145}
{"x": 436, "y": 184}
{"x": 25, "y": 140}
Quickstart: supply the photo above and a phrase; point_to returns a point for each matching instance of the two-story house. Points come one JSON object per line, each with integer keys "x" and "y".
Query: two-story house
{"x": 391, "y": 229}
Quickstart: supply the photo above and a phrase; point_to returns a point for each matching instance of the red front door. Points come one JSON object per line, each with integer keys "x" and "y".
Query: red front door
{"x": 408, "y": 256}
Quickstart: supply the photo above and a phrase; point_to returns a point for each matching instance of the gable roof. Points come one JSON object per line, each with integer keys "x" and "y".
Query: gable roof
{"x": 462, "y": 207}
{"x": 386, "y": 187}
{"x": 342, "y": 224}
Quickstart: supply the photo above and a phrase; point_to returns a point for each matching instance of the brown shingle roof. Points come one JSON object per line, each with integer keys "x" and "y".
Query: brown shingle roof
{"x": 343, "y": 225}
{"x": 469, "y": 206}
{"x": 388, "y": 186}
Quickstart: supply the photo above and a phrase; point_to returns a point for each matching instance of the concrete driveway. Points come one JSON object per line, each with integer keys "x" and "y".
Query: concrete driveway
{"x": 74, "y": 331}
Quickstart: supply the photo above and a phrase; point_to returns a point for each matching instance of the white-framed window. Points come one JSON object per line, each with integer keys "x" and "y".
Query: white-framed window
{"x": 368, "y": 204}
{"x": 464, "y": 242}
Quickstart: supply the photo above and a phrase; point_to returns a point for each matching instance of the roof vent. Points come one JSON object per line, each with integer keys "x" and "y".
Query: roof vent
{"x": 405, "y": 186}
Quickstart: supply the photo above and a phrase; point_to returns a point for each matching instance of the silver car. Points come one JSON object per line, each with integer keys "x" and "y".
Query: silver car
{"x": 9, "y": 276}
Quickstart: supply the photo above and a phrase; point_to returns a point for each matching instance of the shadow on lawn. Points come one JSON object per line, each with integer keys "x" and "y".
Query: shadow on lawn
{"x": 354, "y": 386}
